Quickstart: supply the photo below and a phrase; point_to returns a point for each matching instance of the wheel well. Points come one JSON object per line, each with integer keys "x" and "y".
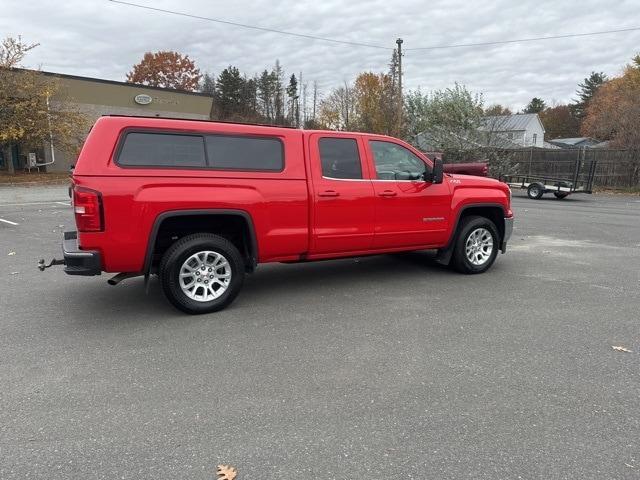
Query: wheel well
{"x": 495, "y": 214}
{"x": 234, "y": 227}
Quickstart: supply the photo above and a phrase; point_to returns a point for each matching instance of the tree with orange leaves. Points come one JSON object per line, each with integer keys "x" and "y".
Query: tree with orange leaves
{"x": 559, "y": 122}
{"x": 166, "y": 69}
{"x": 375, "y": 107}
{"x": 614, "y": 111}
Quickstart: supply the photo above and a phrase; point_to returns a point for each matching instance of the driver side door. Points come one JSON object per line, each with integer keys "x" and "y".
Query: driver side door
{"x": 409, "y": 211}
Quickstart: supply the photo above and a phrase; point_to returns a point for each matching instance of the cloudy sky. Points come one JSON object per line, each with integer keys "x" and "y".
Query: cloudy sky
{"x": 99, "y": 38}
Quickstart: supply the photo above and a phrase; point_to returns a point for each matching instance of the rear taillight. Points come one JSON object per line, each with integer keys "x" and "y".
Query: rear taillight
{"x": 87, "y": 206}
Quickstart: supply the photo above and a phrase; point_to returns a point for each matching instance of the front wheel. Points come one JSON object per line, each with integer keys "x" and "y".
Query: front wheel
{"x": 201, "y": 273}
{"x": 476, "y": 246}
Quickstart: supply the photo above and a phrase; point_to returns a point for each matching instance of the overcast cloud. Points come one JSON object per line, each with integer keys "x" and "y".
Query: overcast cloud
{"x": 98, "y": 38}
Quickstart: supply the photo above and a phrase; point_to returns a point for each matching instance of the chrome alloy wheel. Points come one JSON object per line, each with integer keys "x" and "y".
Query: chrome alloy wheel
{"x": 204, "y": 276}
{"x": 479, "y": 246}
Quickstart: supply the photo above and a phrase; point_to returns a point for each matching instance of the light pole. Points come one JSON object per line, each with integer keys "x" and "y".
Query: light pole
{"x": 400, "y": 100}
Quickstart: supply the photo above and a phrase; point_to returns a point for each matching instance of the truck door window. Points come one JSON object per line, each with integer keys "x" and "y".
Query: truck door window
{"x": 340, "y": 158}
{"x": 394, "y": 162}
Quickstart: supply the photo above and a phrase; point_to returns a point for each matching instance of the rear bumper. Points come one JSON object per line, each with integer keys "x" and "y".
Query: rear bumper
{"x": 508, "y": 230}
{"x": 79, "y": 262}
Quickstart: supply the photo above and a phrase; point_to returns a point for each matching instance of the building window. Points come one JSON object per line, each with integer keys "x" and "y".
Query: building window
{"x": 535, "y": 138}
{"x": 510, "y": 135}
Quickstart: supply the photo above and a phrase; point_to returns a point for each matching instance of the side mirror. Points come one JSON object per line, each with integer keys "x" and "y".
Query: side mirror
{"x": 438, "y": 171}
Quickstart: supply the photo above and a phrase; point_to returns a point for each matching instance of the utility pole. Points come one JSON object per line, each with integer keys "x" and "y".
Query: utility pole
{"x": 400, "y": 100}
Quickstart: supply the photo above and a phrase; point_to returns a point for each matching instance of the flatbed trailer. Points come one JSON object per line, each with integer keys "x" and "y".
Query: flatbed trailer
{"x": 561, "y": 187}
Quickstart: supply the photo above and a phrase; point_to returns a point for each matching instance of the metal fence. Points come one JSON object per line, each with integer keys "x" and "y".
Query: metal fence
{"x": 614, "y": 168}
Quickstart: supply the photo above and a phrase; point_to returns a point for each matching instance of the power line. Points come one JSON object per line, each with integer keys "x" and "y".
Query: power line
{"x": 252, "y": 27}
{"x": 518, "y": 40}
{"x": 369, "y": 45}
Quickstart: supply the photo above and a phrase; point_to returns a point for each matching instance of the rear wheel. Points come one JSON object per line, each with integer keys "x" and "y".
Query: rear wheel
{"x": 201, "y": 273}
{"x": 535, "y": 191}
{"x": 476, "y": 246}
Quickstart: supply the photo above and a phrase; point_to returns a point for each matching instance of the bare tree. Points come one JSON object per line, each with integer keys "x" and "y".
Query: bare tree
{"x": 315, "y": 99}
{"x": 338, "y": 110}
{"x": 13, "y": 51}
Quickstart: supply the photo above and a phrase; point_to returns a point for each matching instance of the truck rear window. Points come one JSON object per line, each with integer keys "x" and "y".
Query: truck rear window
{"x": 223, "y": 152}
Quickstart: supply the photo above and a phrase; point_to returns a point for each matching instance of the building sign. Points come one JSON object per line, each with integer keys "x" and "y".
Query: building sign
{"x": 143, "y": 99}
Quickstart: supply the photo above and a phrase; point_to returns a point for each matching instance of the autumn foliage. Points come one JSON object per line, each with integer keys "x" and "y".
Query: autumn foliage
{"x": 614, "y": 111}
{"x": 33, "y": 107}
{"x": 559, "y": 122}
{"x": 166, "y": 69}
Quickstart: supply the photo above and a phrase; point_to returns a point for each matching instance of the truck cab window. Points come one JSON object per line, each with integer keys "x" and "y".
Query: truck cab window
{"x": 394, "y": 162}
{"x": 340, "y": 158}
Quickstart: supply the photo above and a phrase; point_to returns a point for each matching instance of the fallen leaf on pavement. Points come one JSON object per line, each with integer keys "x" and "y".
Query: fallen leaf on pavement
{"x": 620, "y": 349}
{"x": 11, "y": 253}
{"x": 226, "y": 472}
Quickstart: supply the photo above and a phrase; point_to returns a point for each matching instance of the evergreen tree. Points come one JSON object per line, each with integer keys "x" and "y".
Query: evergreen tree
{"x": 292, "y": 93}
{"x": 250, "y": 100}
{"x": 229, "y": 94}
{"x": 536, "y": 105}
{"x": 266, "y": 92}
{"x": 586, "y": 90}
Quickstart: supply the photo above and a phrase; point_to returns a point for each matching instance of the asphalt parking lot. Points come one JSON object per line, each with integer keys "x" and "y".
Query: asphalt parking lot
{"x": 386, "y": 367}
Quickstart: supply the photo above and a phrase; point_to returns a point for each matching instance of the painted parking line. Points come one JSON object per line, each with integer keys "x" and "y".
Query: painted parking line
{"x": 8, "y": 221}
{"x": 66, "y": 204}
{"x": 26, "y": 204}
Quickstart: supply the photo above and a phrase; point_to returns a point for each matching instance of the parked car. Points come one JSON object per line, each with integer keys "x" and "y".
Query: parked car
{"x": 202, "y": 203}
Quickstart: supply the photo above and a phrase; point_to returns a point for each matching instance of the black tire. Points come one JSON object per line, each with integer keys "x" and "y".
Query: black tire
{"x": 535, "y": 191}
{"x": 561, "y": 195}
{"x": 177, "y": 255}
{"x": 469, "y": 225}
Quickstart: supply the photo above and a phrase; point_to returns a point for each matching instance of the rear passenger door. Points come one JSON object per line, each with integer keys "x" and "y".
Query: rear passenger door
{"x": 343, "y": 197}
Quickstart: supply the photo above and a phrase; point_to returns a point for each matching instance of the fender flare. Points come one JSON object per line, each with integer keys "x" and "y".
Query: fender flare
{"x": 253, "y": 243}
{"x": 444, "y": 254}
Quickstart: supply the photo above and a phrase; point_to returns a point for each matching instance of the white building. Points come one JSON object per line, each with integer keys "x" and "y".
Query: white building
{"x": 521, "y": 129}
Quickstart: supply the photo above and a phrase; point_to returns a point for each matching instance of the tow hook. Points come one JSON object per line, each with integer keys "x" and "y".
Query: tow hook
{"x": 42, "y": 265}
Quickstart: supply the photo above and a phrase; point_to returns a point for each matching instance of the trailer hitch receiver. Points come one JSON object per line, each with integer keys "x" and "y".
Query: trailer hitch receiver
{"x": 42, "y": 265}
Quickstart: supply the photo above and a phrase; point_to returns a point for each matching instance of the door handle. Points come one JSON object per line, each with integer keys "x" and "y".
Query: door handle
{"x": 328, "y": 193}
{"x": 388, "y": 193}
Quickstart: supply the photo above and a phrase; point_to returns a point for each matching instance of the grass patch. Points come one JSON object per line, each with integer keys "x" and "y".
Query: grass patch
{"x": 619, "y": 191}
{"x": 35, "y": 178}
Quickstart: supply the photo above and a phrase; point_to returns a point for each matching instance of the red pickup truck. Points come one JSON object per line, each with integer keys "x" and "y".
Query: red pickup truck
{"x": 202, "y": 203}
